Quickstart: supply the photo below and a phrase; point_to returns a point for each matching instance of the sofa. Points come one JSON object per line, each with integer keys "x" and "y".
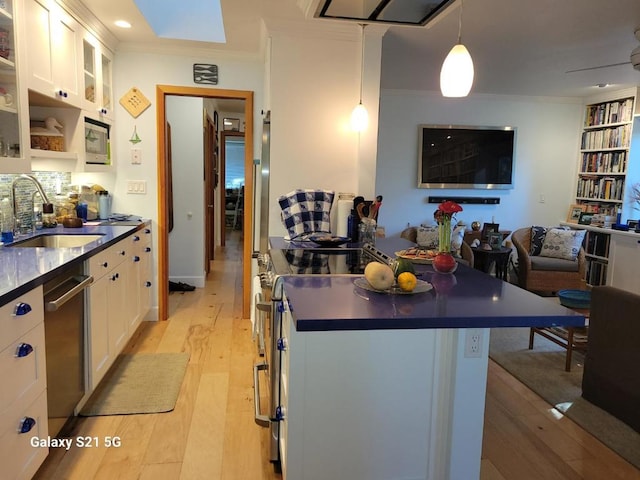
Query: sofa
{"x": 611, "y": 378}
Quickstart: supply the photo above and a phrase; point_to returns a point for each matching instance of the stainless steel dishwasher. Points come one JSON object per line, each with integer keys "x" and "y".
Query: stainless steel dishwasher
{"x": 64, "y": 332}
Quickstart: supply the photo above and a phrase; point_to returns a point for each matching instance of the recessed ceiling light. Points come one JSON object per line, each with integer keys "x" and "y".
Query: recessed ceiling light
{"x": 122, "y": 24}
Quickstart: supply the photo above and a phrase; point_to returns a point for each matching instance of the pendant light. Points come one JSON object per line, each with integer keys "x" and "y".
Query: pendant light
{"x": 359, "y": 115}
{"x": 456, "y": 76}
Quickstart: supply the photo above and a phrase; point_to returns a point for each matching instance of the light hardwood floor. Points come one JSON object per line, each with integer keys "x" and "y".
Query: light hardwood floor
{"x": 211, "y": 433}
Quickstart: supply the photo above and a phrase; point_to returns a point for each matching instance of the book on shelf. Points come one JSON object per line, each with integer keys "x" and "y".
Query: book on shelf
{"x": 616, "y": 111}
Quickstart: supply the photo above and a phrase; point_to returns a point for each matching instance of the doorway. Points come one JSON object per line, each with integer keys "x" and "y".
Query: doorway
{"x": 162, "y": 91}
{"x": 232, "y": 175}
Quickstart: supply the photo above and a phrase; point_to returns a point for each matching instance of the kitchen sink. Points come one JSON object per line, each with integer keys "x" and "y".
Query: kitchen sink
{"x": 57, "y": 241}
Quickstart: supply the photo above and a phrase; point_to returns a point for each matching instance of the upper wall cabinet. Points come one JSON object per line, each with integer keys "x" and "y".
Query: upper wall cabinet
{"x": 97, "y": 95}
{"x": 53, "y": 49}
{"x": 11, "y": 154}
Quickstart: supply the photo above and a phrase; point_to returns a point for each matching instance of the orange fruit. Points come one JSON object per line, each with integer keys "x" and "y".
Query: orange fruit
{"x": 407, "y": 281}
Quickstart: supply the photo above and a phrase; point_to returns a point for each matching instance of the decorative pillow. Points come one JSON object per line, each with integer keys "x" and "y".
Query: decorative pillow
{"x": 560, "y": 243}
{"x": 427, "y": 237}
{"x": 537, "y": 239}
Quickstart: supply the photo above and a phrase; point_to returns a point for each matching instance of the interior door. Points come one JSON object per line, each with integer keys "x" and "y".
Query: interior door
{"x": 210, "y": 164}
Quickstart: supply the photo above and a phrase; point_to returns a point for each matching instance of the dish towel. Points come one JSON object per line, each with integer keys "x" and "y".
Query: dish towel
{"x": 306, "y": 211}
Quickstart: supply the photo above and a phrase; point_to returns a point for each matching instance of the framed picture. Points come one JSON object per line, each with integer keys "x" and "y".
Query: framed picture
{"x": 232, "y": 124}
{"x": 494, "y": 240}
{"x": 585, "y": 218}
{"x": 488, "y": 228}
{"x": 574, "y": 213}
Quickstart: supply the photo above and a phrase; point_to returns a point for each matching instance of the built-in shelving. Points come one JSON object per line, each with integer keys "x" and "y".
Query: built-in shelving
{"x": 604, "y": 155}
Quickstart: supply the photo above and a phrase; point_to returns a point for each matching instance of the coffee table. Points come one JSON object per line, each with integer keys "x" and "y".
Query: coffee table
{"x": 570, "y": 338}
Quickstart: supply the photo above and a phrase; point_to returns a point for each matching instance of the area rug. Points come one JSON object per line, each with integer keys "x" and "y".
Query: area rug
{"x": 139, "y": 383}
{"x": 542, "y": 370}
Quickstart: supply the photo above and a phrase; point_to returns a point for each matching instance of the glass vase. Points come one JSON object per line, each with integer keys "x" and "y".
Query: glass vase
{"x": 444, "y": 262}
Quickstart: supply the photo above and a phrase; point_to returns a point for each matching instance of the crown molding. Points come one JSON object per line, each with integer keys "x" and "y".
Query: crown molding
{"x": 89, "y": 21}
{"x": 159, "y": 48}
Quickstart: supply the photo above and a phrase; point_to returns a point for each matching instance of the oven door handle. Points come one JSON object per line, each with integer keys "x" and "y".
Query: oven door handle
{"x": 54, "y": 305}
{"x": 262, "y": 420}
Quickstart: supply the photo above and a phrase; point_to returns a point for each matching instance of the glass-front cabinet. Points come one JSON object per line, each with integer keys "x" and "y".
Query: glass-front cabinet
{"x": 11, "y": 154}
{"x": 97, "y": 78}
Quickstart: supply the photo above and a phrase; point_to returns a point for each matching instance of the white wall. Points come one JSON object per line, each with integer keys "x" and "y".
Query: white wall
{"x": 144, "y": 71}
{"x": 186, "y": 240}
{"x": 315, "y": 82}
{"x": 546, "y": 157}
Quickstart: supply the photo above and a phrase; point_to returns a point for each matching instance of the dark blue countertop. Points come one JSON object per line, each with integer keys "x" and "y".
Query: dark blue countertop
{"x": 468, "y": 298}
{"x": 22, "y": 269}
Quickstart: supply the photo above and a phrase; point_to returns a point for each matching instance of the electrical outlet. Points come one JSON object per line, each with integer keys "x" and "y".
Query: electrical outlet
{"x": 136, "y": 156}
{"x": 473, "y": 343}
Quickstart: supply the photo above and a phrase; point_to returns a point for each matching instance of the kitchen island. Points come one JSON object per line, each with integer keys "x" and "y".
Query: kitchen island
{"x": 378, "y": 386}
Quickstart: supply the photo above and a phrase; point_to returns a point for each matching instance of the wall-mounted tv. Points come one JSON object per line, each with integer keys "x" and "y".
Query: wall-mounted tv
{"x": 452, "y": 156}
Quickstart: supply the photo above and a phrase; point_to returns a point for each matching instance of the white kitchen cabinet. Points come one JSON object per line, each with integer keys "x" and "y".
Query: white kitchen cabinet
{"x": 97, "y": 76}
{"x": 118, "y": 299}
{"x": 12, "y": 158}
{"x": 624, "y": 262}
{"x": 108, "y": 321}
{"x": 53, "y": 46}
{"x": 139, "y": 279}
{"x": 23, "y": 398}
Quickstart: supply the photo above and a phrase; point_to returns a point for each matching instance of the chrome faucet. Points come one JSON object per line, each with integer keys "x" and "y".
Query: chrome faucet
{"x": 39, "y": 190}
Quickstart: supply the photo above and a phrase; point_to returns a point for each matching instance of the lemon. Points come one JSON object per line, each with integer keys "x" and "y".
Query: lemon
{"x": 407, "y": 281}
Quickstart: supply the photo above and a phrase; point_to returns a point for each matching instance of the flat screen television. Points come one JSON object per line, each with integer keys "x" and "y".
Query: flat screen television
{"x": 452, "y": 156}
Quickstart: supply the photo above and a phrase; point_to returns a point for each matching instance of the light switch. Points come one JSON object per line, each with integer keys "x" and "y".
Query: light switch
{"x": 138, "y": 187}
{"x": 136, "y": 156}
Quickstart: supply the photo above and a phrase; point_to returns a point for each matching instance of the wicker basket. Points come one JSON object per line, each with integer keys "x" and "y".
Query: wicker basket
{"x": 47, "y": 142}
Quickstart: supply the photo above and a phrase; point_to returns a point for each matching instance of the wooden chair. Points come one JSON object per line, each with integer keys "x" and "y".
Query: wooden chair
{"x": 544, "y": 274}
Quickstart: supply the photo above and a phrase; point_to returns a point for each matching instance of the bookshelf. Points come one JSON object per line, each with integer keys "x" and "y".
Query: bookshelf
{"x": 596, "y": 249}
{"x": 604, "y": 154}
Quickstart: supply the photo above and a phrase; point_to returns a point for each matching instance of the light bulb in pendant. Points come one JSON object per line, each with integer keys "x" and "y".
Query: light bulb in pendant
{"x": 359, "y": 118}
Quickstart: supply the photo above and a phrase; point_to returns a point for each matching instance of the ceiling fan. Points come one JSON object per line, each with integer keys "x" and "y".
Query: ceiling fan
{"x": 634, "y": 59}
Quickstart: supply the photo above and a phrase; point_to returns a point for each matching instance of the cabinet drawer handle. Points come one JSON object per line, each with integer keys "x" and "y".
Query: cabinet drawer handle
{"x": 26, "y": 424}
{"x": 115, "y": 277}
{"x": 62, "y": 93}
{"x": 105, "y": 264}
{"x": 123, "y": 253}
{"x": 136, "y": 238}
{"x": 147, "y": 230}
{"x": 103, "y": 111}
{"x": 147, "y": 249}
{"x": 23, "y": 350}
{"x": 136, "y": 258}
{"x": 281, "y": 413}
{"x": 21, "y": 309}
{"x": 282, "y": 344}
{"x": 147, "y": 284}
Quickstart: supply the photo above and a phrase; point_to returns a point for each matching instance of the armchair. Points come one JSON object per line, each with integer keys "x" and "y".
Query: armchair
{"x": 545, "y": 274}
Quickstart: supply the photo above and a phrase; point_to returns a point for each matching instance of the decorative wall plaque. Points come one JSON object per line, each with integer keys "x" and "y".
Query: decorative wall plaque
{"x": 205, "y": 73}
{"x": 134, "y": 102}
